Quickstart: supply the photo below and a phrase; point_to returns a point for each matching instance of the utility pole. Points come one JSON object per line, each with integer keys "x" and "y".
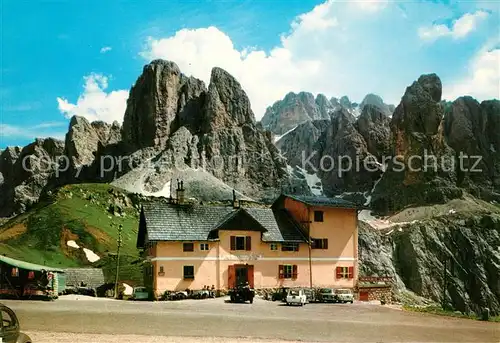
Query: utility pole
{"x": 119, "y": 244}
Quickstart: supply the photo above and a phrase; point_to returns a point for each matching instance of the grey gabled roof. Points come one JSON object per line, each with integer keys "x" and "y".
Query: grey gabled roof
{"x": 92, "y": 277}
{"x": 313, "y": 200}
{"x": 164, "y": 221}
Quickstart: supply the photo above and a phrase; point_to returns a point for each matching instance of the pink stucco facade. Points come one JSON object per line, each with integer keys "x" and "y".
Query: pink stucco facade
{"x": 314, "y": 267}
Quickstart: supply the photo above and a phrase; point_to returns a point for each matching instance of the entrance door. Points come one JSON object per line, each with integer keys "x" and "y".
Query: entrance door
{"x": 241, "y": 275}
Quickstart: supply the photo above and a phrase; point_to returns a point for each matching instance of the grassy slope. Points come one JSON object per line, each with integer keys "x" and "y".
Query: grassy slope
{"x": 79, "y": 213}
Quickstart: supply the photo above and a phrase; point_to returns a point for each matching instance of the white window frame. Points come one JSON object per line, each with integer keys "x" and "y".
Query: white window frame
{"x": 274, "y": 246}
{"x": 204, "y": 246}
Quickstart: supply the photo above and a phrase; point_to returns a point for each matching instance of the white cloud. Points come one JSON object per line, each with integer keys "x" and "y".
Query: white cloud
{"x": 318, "y": 19}
{"x": 371, "y": 5}
{"x": 460, "y": 28}
{"x": 105, "y": 49}
{"x": 94, "y": 103}
{"x": 317, "y": 55}
{"x": 39, "y": 130}
{"x": 483, "y": 79}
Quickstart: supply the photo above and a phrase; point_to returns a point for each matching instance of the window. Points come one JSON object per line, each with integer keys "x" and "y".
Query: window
{"x": 318, "y": 216}
{"x": 288, "y": 271}
{"x": 188, "y": 247}
{"x": 15, "y": 272}
{"x": 161, "y": 272}
{"x": 345, "y": 272}
{"x": 290, "y": 247}
{"x": 8, "y": 321}
{"x": 274, "y": 246}
{"x": 319, "y": 243}
{"x": 204, "y": 247}
{"x": 31, "y": 275}
{"x": 241, "y": 243}
{"x": 188, "y": 272}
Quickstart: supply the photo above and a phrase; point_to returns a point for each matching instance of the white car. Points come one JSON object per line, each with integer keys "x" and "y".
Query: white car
{"x": 344, "y": 296}
{"x": 296, "y": 297}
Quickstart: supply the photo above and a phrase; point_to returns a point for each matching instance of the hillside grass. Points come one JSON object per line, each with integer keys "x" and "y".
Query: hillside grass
{"x": 80, "y": 213}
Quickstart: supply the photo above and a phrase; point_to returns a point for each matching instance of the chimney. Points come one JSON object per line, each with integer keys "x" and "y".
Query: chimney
{"x": 235, "y": 202}
{"x": 180, "y": 192}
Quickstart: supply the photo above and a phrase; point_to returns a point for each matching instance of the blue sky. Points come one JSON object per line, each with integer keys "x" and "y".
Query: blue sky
{"x": 61, "y": 58}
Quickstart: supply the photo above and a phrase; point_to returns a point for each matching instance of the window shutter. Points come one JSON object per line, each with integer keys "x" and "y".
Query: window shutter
{"x": 231, "y": 276}
{"x": 294, "y": 271}
{"x": 281, "y": 271}
{"x": 250, "y": 275}
{"x": 351, "y": 272}
{"x": 339, "y": 272}
{"x": 248, "y": 241}
{"x": 325, "y": 243}
{"x": 233, "y": 242}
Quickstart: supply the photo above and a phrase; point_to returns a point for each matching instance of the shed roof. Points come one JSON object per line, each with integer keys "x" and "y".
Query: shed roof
{"x": 92, "y": 277}
{"x": 27, "y": 265}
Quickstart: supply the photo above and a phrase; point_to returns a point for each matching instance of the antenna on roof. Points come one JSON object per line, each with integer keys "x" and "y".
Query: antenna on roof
{"x": 170, "y": 186}
{"x": 235, "y": 202}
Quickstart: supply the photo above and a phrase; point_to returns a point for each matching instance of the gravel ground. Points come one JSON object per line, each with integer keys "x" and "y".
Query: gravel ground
{"x": 77, "y": 319}
{"x": 51, "y": 337}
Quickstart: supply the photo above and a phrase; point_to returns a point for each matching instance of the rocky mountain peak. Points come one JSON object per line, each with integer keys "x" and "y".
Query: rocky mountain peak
{"x": 417, "y": 131}
{"x": 226, "y": 103}
{"x": 377, "y": 101}
{"x": 154, "y": 103}
{"x": 432, "y": 85}
{"x": 84, "y": 138}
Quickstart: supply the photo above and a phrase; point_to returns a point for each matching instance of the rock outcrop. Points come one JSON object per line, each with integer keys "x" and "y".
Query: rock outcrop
{"x": 179, "y": 126}
{"x": 26, "y": 172}
{"x": 471, "y": 129}
{"x": 154, "y": 104}
{"x": 342, "y": 152}
{"x": 377, "y": 102}
{"x": 421, "y": 170}
{"x": 415, "y": 257}
{"x": 295, "y": 109}
{"x": 373, "y": 125}
{"x": 83, "y": 139}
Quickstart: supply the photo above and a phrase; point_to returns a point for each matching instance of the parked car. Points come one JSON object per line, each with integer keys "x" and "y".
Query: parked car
{"x": 10, "y": 331}
{"x": 310, "y": 295}
{"x": 242, "y": 293}
{"x": 140, "y": 293}
{"x": 344, "y": 295}
{"x": 296, "y": 297}
{"x": 280, "y": 295}
{"x": 327, "y": 295}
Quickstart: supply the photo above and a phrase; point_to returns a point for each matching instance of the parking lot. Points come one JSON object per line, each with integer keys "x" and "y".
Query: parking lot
{"x": 101, "y": 320}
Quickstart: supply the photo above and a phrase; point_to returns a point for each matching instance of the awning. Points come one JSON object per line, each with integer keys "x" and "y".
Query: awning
{"x": 28, "y": 266}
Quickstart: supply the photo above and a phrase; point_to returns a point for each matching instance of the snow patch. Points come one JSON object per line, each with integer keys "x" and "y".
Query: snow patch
{"x": 492, "y": 148}
{"x": 452, "y": 211}
{"x": 277, "y": 138}
{"x": 369, "y": 197}
{"x": 73, "y": 244}
{"x": 128, "y": 289}
{"x": 313, "y": 181}
{"x": 379, "y": 224}
{"x": 91, "y": 256}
